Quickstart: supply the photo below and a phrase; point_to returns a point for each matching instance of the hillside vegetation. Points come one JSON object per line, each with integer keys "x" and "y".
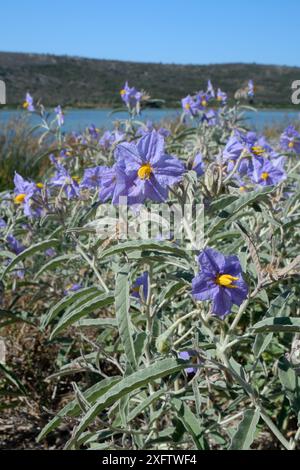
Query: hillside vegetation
{"x": 76, "y": 81}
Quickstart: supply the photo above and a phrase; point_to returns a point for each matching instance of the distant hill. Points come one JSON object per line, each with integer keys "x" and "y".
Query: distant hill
{"x": 76, "y": 81}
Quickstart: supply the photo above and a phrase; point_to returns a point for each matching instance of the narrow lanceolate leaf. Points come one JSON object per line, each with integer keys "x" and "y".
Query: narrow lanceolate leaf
{"x": 278, "y": 325}
{"x": 100, "y": 301}
{"x": 287, "y": 375}
{"x": 65, "y": 302}
{"x": 244, "y": 436}
{"x": 72, "y": 409}
{"x": 222, "y": 202}
{"x": 54, "y": 263}
{"x": 144, "y": 404}
{"x": 191, "y": 423}
{"x": 126, "y": 247}
{"x": 290, "y": 382}
{"x": 236, "y": 206}
{"x": 130, "y": 383}
{"x": 123, "y": 316}
{"x": 276, "y": 308}
{"x": 38, "y": 247}
{"x": 98, "y": 322}
{"x": 139, "y": 343}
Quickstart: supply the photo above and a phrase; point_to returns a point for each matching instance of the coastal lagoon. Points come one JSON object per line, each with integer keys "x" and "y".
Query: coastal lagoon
{"x": 79, "y": 119}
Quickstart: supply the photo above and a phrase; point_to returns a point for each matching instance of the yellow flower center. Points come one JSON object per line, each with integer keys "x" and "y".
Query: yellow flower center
{"x": 25, "y": 105}
{"x": 19, "y": 198}
{"x": 187, "y": 106}
{"x": 242, "y": 188}
{"x": 76, "y": 178}
{"x": 291, "y": 144}
{"x": 226, "y": 280}
{"x": 258, "y": 150}
{"x": 123, "y": 92}
{"x": 204, "y": 103}
{"x": 265, "y": 175}
{"x": 219, "y": 98}
{"x": 39, "y": 185}
{"x": 145, "y": 171}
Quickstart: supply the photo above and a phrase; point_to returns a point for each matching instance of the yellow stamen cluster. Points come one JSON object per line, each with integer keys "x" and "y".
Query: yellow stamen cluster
{"x": 145, "y": 171}
{"x": 258, "y": 150}
{"x": 226, "y": 280}
{"x": 25, "y": 105}
{"x": 39, "y": 185}
{"x": 204, "y": 103}
{"x": 291, "y": 144}
{"x": 187, "y": 106}
{"x": 265, "y": 175}
{"x": 19, "y": 198}
{"x": 123, "y": 92}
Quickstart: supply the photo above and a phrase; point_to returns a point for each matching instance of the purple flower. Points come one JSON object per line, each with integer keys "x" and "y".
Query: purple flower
{"x": 268, "y": 173}
{"x": 2, "y": 224}
{"x": 109, "y": 138}
{"x": 211, "y": 117}
{"x": 202, "y": 100}
{"x": 143, "y": 130}
{"x": 190, "y": 356}
{"x": 65, "y": 153}
{"x": 190, "y": 106}
{"x": 72, "y": 288}
{"x": 92, "y": 177}
{"x": 108, "y": 183}
{"x": 144, "y": 170}
{"x": 250, "y": 89}
{"x": 233, "y": 149}
{"x": 63, "y": 179}
{"x": 164, "y": 132}
{"x": 130, "y": 96}
{"x": 94, "y": 132}
{"x": 221, "y": 96}
{"x": 24, "y": 191}
{"x": 59, "y": 116}
{"x": 256, "y": 145}
{"x": 290, "y": 139}
{"x": 198, "y": 165}
{"x": 14, "y": 245}
{"x": 50, "y": 252}
{"x": 248, "y": 146}
{"x": 28, "y": 103}
{"x": 140, "y": 285}
{"x": 210, "y": 90}
{"x": 220, "y": 280}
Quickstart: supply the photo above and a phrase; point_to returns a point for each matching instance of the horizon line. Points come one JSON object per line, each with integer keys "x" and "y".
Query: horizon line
{"x": 188, "y": 64}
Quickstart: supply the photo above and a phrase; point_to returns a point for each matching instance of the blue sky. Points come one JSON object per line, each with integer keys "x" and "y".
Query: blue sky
{"x": 172, "y": 31}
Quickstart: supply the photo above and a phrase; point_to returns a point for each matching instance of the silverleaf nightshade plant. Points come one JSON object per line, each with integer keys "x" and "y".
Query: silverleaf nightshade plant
{"x": 167, "y": 344}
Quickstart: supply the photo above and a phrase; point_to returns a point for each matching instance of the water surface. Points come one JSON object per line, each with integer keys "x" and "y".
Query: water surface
{"x": 79, "y": 119}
